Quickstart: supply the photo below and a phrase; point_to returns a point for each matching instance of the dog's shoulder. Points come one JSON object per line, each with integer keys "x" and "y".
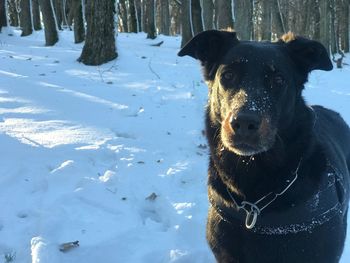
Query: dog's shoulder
{"x": 333, "y": 134}
{"x": 331, "y": 127}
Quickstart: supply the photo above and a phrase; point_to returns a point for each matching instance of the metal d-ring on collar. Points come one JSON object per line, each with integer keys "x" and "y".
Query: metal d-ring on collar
{"x": 252, "y": 210}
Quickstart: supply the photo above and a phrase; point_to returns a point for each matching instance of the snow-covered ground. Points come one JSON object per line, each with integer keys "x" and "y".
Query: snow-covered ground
{"x": 111, "y": 156}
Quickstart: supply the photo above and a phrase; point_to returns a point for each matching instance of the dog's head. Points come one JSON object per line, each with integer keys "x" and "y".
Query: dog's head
{"x": 254, "y": 86}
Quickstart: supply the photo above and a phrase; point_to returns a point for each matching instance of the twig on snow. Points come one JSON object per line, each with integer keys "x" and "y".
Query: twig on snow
{"x": 151, "y": 69}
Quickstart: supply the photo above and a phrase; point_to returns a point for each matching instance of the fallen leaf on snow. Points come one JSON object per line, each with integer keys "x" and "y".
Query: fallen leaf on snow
{"x": 68, "y": 246}
{"x": 152, "y": 197}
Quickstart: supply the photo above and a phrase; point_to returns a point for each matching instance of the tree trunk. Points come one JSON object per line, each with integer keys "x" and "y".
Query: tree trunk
{"x": 138, "y": 7}
{"x": 65, "y": 10}
{"x": 57, "y": 6}
{"x": 175, "y": 25}
{"x": 164, "y": 17}
{"x": 3, "y": 16}
{"x": 187, "y": 32}
{"x": 51, "y": 35}
{"x": 224, "y": 14}
{"x": 36, "y": 15}
{"x": 99, "y": 45}
{"x": 266, "y": 20}
{"x": 277, "y": 18}
{"x": 196, "y": 16}
{"x": 25, "y": 18}
{"x": 132, "y": 17}
{"x": 144, "y": 15}
{"x": 124, "y": 15}
{"x": 208, "y": 14}
{"x": 334, "y": 39}
{"x": 79, "y": 29}
{"x": 325, "y": 35}
{"x": 243, "y": 10}
{"x": 344, "y": 26}
{"x": 317, "y": 22}
{"x": 151, "y": 27}
{"x": 13, "y": 13}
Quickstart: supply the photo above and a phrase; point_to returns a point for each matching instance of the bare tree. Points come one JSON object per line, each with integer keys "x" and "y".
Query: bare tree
{"x": 175, "y": 13}
{"x": 150, "y": 19}
{"x": 186, "y": 25}
{"x": 208, "y": 14}
{"x": 3, "y": 16}
{"x": 13, "y": 13}
{"x": 277, "y": 18}
{"x": 243, "y": 11}
{"x": 36, "y": 15}
{"x": 123, "y": 13}
{"x": 325, "y": 30}
{"x": 57, "y": 7}
{"x": 344, "y": 25}
{"x": 164, "y": 17}
{"x": 99, "y": 45}
{"x": 266, "y": 20}
{"x": 25, "y": 18}
{"x": 224, "y": 16}
{"x": 79, "y": 28}
{"x": 139, "y": 14}
{"x": 144, "y": 15}
{"x": 132, "y": 17}
{"x": 51, "y": 35}
{"x": 334, "y": 39}
{"x": 196, "y": 12}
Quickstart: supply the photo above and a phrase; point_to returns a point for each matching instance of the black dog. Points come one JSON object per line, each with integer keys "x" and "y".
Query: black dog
{"x": 279, "y": 169}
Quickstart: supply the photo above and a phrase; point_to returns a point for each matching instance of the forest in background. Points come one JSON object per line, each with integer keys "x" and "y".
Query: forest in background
{"x": 96, "y": 21}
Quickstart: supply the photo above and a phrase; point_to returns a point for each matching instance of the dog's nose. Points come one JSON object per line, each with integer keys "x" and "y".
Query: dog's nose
{"x": 245, "y": 124}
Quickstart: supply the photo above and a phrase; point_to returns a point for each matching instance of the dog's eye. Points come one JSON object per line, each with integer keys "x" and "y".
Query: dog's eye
{"x": 278, "y": 80}
{"x": 228, "y": 76}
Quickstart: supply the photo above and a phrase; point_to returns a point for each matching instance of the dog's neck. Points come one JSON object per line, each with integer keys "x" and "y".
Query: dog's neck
{"x": 252, "y": 176}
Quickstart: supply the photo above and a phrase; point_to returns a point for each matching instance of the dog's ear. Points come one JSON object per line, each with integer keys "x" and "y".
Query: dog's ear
{"x": 208, "y": 47}
{"x": 307, "y": 54}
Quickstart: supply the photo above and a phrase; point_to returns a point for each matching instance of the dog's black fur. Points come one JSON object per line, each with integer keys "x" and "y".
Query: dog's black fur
{"x": 264, "y": 139}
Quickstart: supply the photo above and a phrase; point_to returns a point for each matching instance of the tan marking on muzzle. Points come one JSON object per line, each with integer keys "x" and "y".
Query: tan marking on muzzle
{"x": 227, "y": 123}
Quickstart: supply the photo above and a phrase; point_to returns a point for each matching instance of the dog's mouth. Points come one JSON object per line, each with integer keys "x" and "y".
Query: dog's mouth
{"x": 246, "y": 149}
{"x": 248, "y": 143}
